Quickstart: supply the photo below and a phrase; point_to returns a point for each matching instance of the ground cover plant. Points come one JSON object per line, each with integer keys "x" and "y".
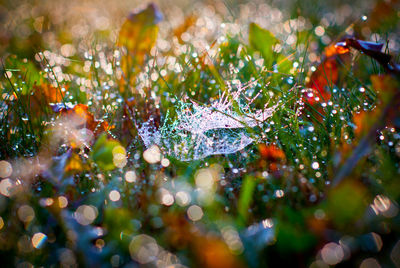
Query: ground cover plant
{"x": 200, "y": 133}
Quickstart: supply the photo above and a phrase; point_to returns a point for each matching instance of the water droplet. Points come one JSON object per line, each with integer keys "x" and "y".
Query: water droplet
{"x": 315, "y": 165}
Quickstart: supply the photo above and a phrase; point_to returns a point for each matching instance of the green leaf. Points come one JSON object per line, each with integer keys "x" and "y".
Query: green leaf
{"x": 246, "y": 197}
{"x": 103, "y": 152}
{"x": 22, "y": 70}
{"x": 263, "y": 41}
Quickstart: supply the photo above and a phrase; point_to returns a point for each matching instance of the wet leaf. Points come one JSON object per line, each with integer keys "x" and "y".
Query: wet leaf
{"x": 264, "y": 41}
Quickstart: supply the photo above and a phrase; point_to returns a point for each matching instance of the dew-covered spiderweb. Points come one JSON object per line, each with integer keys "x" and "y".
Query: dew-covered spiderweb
{"x": 199, "y": 130}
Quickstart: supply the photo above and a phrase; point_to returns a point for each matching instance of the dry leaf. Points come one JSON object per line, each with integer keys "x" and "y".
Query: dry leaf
{"x": 84, "y": 119}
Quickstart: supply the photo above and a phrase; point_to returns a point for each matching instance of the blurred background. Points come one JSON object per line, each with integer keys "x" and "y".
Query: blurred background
{"x": 71, "y": 26}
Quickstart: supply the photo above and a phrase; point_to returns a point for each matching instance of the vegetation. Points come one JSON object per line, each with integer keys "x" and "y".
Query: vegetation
{"x": 211, "y": 135}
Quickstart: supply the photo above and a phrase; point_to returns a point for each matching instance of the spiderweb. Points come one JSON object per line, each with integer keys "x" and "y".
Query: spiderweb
{"x": 199, "y": 130}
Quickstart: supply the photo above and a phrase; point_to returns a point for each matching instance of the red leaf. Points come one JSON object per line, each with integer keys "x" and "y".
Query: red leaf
{"x": 322, "y": 80}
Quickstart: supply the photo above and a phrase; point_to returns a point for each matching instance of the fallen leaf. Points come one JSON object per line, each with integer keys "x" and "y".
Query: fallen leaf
{"x": 83, "y": 118}
{"x": 44, "y": 95}
{"x": 327, "y": 74}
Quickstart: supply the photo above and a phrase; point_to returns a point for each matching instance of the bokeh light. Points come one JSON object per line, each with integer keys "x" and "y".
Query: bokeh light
{"x": 5, "y": 187}
{"x": 332, "y": 253}
{"x": 130, "y": 176}
{"x": 5, "y": 169}
{"x": 152, "y": 155}
{"x": 114, "y": 196}
{"x": 38, "y": 240}
{"x": 62, "y": 201}
{"x": 143, "y": 249}
{"x": 86, "y": 214}
{"x": 195, "y": 213}
{"x": 26, "y": 213}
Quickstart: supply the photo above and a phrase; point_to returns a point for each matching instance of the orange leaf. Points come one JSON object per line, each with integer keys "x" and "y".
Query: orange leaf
{"x": 362, "y": 122}
{"x": 334, "y": 50}
{"x": 271, "y": 152}
{"x": 43, "y": 96}
{"x": 386, "y": 86}
{"x": 389, "y": 95}
{"x": 210, "y": 251}
{"x": 48, "y": 93}
{"x": 85, "y": 119}
{"x": 189, "y": 21}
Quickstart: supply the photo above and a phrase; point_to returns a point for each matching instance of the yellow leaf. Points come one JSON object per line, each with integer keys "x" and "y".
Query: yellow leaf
{"x": 74, "y": 164}
{"x": 137, "y": 36}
